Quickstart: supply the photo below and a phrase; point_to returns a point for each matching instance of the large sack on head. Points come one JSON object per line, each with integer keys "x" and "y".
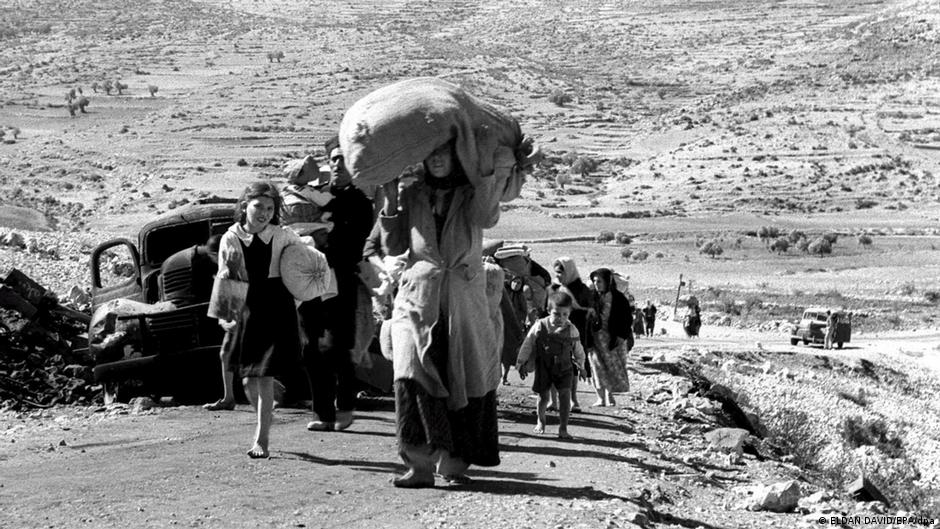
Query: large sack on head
{"x": 305, "y": 272}
{"x": 399, "y": 125}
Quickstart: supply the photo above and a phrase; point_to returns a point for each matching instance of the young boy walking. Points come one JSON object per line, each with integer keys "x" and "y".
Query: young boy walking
{"x": 552, "y": 350}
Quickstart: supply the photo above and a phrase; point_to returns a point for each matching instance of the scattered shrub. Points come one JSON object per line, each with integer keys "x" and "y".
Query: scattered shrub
{"x": 584, "y": 165}
{"x": 857, "y": 432}
{"x": 752, "y": 303}
{"x": 641, "y": 255}
{"x": 711, "y": 248}
{"x": 604, "y": 237}
{"x": 803, "y": 245}
{"x": 241, "y": 162}
{"x": 152, "y": 89}
{"x": 626, "y": 252}
{"x": 622, "y": 238}
{"x": 791, "y": 432}
{"x": 795, "y": 235}
{"x": 831, "y": 237}
{"x": 559, "y": 97}
{"x": 907, "y": 289}
{"x": 275, "y": 56}
{"x": 864, "y": 240}
{"x": 932, "y": 296}
{"x": 820, "y": 247}
{"x": 766, "y": 233}
{"x": 780, "y": 245}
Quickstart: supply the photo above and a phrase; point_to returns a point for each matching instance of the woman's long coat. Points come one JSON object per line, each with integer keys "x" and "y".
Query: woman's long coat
{"x": 446, "y": 279}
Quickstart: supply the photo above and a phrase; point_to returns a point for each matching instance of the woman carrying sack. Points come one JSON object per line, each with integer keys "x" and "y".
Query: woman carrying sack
{"x": 445, "y": 360}
{"x": 265, "y": 336}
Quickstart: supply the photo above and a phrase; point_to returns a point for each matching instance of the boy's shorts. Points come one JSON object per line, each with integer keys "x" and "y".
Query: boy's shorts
{"x": 546, "y": 377}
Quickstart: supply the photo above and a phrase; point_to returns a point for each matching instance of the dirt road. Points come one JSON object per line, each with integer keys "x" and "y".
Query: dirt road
{"x": 183, "y": 466}
{"x": 921, "y": 347}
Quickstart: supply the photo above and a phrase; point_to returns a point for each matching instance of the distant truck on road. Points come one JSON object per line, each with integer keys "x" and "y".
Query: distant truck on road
{"x": 812, "y": 327}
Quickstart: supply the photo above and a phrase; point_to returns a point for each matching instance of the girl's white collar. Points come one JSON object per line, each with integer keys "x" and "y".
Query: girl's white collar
{"x": 266, "y": 234}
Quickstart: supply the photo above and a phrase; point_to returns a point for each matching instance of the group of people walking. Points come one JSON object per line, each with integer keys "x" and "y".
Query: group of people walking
{"x": 583, "y": 333}
{"x": 446, "y": 358}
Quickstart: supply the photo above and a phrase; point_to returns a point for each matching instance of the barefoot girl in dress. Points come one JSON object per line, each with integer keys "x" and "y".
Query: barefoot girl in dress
{"x": 266, "y": 335}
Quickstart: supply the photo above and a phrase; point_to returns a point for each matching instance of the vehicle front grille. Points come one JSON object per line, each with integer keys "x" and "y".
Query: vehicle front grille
{"x": 172, "y": 331}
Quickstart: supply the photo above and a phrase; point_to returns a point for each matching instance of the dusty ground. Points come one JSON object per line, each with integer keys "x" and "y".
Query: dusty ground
{"x": 697, "y": 121}
{"x": 113, "y": 467}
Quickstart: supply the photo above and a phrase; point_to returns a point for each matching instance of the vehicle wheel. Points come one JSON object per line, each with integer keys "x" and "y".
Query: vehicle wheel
{"x": 794, "y": 341}
{"x": 805, "y": 341}
{"x": 839, "y": 345}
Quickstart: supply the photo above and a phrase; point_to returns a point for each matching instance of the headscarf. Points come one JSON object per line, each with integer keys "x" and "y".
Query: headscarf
{"x": 608, "y": 276}
{"x": 570, "y": 270}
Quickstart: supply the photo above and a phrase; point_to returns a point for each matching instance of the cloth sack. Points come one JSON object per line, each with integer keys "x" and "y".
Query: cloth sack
{"x": 399, "y": 125}
{"x": 305, "y": 271}
{"x": 228, "y": 299}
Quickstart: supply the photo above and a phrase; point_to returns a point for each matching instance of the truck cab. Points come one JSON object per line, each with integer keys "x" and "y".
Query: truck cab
{"x": 139, "y": 262}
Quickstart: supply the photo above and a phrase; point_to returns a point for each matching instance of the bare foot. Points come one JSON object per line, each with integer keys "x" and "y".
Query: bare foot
{"x": 220, "y": 405}
{"x": 539, "y": 428}
{"x": 258, "y": 452}
{"x": 599, "y": 403}
{"x": 564, "y": 435}
{"x": 412, "y": 481}
{"x": 457, "y": 479}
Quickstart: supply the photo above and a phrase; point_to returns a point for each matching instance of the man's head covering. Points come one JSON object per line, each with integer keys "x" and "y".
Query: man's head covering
{"x": 332, "y": 143}
{"x": 512, "y": 250}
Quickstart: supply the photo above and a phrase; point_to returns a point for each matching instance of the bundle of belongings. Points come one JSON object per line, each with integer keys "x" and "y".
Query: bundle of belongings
{"x": 303, "y": 202}
{"x": 397, "y": 126}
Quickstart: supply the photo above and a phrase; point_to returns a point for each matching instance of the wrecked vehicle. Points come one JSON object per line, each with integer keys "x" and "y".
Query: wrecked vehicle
{"x": 146, "y": 336}
{"x": 150, "y": 337}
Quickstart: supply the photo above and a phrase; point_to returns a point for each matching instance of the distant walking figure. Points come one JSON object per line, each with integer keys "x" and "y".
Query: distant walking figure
{"x": 832, "y": 322}
{"x": 649, "y": 315}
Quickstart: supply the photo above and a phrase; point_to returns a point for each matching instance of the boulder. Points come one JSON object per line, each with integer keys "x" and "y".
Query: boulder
{"x": 727, "y": 440}
{"x": 141, "y": 404}
{"x": 681, "y": 387}
{"x": 13, "y": 239}
{"x": 864, "y": 490}
{"x": 779, "y": 497}
{"x": 78, "y": 296}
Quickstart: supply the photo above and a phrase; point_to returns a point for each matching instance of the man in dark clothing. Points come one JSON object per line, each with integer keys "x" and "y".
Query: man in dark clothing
{"x": 186, "y": 277}
{"x": 649, "y": 315}
{"x": 333, "y": 321}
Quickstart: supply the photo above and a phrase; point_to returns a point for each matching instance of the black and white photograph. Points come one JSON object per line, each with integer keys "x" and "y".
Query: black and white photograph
{"x": 458, "y": 264}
